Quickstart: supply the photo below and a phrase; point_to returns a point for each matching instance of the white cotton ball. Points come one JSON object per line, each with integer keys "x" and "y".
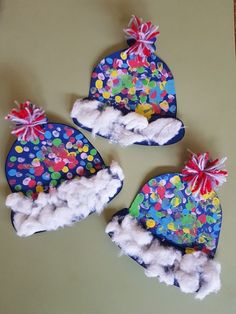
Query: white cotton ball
{"x": 112, "y": 226}
{"x": 42, "y": 199}
{"x": 188, "y": 282}
{"x": 166, "y": 256}
{"x": 134, "y": 121}
{"x": 29, "y": 226}
{"x": 117, "y": 170}
{"x": 61, "y": 217}
{"x": 85, "y": 111}
{"x": 131, "y": 248}
{"x": 166, "y": 129}
{"x": 18, "y": 220}
{"x": 150, "y": 254}
{"x": 19, "y": 203}
{"x": 210, "y": 279}
{"x": 193, "y": 262}
{"x": 127, "y": 138}
{"x": 156, "y": 270}
{"x": 104, "y": 123}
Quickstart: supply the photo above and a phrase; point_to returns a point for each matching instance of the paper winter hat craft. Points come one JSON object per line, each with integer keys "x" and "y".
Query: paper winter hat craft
{"x": 55, "y": 174}
{"x": 132, "y": 98}
{"x": 172, "y": 227}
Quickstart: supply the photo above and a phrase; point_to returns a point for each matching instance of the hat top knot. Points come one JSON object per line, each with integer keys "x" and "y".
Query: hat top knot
{"x": 144, "y": 36}
{"x": 28, "y": 120}
{"x": 204, "y": 174}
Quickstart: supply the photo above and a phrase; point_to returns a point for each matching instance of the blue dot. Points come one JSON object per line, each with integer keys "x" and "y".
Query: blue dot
{"x": 46, "y": 176}
{"x": 79, "y": 136}
{"x": 65, "y": 136}
{"x": 216, "y": 227}
{"x": 109, "y": 60}
{"x": 48, "y": 135}
{"x": 39, "y": 154}
{"x": 12, "y": 172}
{"x": 185, "y": 211}
{"x": 31, "y": 170}
{"x": 82, "y": 163}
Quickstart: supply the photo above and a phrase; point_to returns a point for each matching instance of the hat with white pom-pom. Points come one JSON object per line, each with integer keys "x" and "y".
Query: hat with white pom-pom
{"x": 132, "y": 98}
{"x": 172, "y": 227}
{"x": 55, "y": 174}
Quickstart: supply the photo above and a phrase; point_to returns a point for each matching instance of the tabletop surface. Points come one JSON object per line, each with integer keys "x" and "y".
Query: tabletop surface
{"x": 48, "y": 49}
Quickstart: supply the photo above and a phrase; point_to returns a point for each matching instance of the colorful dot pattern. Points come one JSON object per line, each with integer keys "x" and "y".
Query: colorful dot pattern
{"x": 127, "y": 83}
{"x": 60, "y": 154}
{"x": 166, "y": 207}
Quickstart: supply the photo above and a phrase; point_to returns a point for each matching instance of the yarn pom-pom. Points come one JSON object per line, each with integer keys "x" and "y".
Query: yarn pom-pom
{"x": 204, "y": 174}
{"x": 144, "y": 35}
{"x": 28, "y": 120}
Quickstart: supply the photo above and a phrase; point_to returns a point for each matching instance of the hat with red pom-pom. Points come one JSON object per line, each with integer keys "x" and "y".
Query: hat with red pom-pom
{"x": 172, "y": 227}
{"x": 132, "y": 98}
{"x": 55, "y": 174}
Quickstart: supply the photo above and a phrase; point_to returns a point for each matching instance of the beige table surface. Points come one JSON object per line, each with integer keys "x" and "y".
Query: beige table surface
{"x": 47, "y": 50}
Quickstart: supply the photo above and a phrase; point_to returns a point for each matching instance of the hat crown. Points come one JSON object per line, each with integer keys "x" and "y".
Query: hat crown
{"x": 166, "y": 207}
{"x": 59, "y": 154}
{"x": 132, "y": 84}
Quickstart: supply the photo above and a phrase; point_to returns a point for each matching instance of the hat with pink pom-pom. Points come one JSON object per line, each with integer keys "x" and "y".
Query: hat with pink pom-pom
{"x": 132, "y": 98}
{"x": 57, "y": 177}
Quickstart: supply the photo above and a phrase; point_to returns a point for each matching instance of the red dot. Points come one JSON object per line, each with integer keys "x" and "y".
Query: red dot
{"x": 146, "y": 189}
{"x": 32, "y": 183}
{"x": 157, "y": 206}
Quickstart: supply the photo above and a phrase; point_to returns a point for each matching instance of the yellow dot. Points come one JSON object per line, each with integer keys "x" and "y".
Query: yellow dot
{"x": 106, "y": 95}
{"x": 39, "y": 188}
{"x": 150, "y": 223}
{"x": 114, "y": 73}
{"x": 123, "y": 55}
{"x": 90, "y": 158}
{"x": 189, "y": 250}
{"x": 19, "y": 149}
{"x": 186, "y": 230}
{"x": 216, "y": 201}
{"x": 132, "y": 91}
{"x": 99, "y": 84}
{"x": 35, "y": 160}
{"x": 85, "y": 149}
{"x": 65, "y": 169}
{"x": 171, "y": 226}
{"x": 80, "y": 150}
{"x": 92, "y": 170}
{"x": 118, "y": 99}
{"x": 72, "y": 154}
{"x": 201, "y": 240}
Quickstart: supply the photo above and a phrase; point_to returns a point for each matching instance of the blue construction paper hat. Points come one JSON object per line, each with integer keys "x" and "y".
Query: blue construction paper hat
{"x": 56, "y": 176}
{"x": 132, "y": 97}
{"x": 172, "y": 228}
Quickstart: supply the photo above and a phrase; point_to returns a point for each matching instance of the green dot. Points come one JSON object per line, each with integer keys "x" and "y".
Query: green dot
{"x": 89, "y": 165}
{"x": 53, "y": 182}
{"x": 50, "y": 169}
{"x": 93, "y": 152}
{"x": 23, "y": 142}
{"x": 18, "y": 187}
{"x": 36, "y": 141}
{"x": 55, "y": 175}
{"x": 29, "y": 192}
{"x": 152, "y": 84}
{"x": 13, "y": 158}
{"x": 56, "y": 142}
